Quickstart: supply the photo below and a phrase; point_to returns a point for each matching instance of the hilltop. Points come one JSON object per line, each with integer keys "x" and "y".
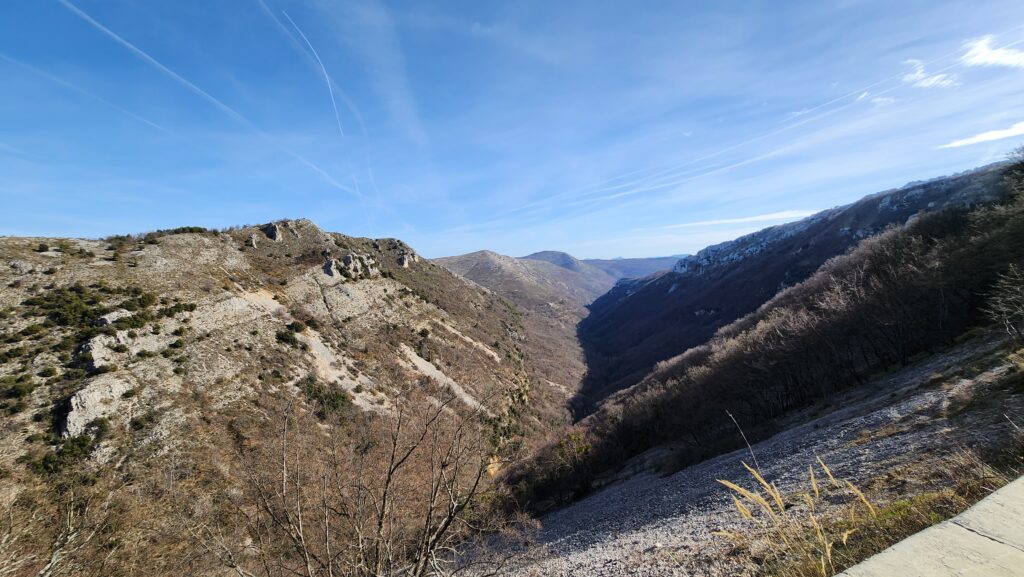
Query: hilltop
{"x": 181, "y": 354}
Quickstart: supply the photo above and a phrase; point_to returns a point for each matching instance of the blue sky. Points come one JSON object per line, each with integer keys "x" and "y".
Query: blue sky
{"x": 605, "y": 129}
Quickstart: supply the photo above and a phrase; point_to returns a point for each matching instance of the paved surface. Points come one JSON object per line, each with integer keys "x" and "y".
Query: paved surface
{"x": 986, "y": 540}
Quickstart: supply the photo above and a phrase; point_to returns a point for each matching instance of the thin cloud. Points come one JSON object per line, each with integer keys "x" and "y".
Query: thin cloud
{"x": 373, "y": 36}
{"x": 781, "y": 215}
{"x": 876, "y": 100}
{"x": 80, "y": 90}
{"x": 227, "y": 110}
{"x": 922, "y": 79}
{"x": 327, "y": 77}
{"x": 1015, "y": 130}
{"x": 981, "y": 53}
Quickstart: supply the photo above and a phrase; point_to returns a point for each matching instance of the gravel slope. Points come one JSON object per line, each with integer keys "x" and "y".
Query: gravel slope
{"x": 662, "y": 525}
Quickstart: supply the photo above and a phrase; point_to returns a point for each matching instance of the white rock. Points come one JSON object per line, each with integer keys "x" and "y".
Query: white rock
{"x": 109, "y": 318}
{"x": 100, "y": 398}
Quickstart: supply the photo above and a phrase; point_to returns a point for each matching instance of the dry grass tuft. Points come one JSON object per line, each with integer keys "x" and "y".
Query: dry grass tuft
{"x": 831, "y": 526}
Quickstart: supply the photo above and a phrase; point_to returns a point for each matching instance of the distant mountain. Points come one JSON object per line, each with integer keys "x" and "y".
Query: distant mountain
{"x": 635, "y": 267}
{"x": 535, "y": 280}
{"x": 617, "y": 268}
{"x": 553, "y": 289}
{"x": 640, "y": 322}
{"x": 562, "y": 259}
{"x": 553, "y": 300}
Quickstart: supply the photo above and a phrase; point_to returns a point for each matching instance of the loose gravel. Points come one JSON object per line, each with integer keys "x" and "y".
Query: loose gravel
{"x": 654, "y": 525}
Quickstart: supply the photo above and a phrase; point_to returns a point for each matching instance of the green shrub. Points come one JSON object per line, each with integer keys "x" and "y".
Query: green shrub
{"x": 71, "y": 452}
{"x": 288, "y": 338}
{"x": 330, "y": 401}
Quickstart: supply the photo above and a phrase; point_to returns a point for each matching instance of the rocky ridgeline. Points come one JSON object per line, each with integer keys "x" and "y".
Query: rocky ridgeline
{"x": 856, "y": 221}
{"x": 141, "y": 336}
{"x": 745, "y": 246}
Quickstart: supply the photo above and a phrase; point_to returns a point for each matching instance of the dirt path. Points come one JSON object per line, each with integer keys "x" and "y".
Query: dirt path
{"x": 663, "y": 525}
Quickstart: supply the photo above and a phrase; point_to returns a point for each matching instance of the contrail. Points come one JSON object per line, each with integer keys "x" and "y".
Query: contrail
{"x": 80, "y": 90}
{"x": 232, "y": 113}
{"x": 337, "y": 90}
{"x": 327, "y": 78}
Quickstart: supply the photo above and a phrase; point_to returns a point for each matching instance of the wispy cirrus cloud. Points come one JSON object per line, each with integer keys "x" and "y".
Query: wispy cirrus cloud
{"x": 991, "y": 135}
{"x": 769, "y": 217}
{"x": 371, "y": 33}
{"x": 75, "y": 88}
{"x": 876, "y": 100}
{"x": 920, "y": 78}
{"x": 981, "y": 53}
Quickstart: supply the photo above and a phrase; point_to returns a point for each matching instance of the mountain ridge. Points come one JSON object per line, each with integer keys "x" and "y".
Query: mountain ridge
{"x": 640, "y": 322}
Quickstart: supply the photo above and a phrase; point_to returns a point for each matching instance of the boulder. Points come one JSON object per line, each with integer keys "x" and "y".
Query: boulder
{"x": 252, "y": 240}
{"x": 21, "y": 266}
{"x": 273, "y": 232}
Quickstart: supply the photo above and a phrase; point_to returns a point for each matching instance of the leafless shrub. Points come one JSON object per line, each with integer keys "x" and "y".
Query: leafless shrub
{"x": 1006, "y": 305}
{"x": 410, "y": 496}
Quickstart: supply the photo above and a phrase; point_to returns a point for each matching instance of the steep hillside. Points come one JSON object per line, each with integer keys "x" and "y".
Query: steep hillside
{"x": 142, "y": 376}
{"x": 641, "y": 322}
{"x": 894, "y": 438}
{"x": 536, "y": 280}
{"x": 551, "y": 296}
{"x": 896, "y": 297}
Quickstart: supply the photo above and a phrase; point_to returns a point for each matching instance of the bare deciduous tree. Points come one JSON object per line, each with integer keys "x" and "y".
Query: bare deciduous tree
{"x": 405, "y": 496}
{"x": 1006, "y": 305}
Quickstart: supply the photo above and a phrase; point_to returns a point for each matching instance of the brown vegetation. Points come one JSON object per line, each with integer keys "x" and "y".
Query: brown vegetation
{"x": 904, "y": 292}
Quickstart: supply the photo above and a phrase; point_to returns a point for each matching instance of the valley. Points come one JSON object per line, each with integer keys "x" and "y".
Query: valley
{"x": 211, "y": 401}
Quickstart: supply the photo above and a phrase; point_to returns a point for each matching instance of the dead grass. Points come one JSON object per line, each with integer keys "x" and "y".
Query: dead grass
{"x": 830, "y": 524}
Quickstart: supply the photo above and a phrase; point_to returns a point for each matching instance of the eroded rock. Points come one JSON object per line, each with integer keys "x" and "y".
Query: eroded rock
{"x": 99, "y": 399}
{"x": 273, "y": 232}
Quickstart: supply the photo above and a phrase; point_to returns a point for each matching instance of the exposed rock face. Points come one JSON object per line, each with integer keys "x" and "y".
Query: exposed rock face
{"x": 359, "y": 266}
{"x": 252, "y": 240}
{"x": 746, "y": 246}
{"x": 273, "y": 232}
{"x": 223, "y": 335}
{"x": 99, "y": 399}
{"x": 292, "y": 229}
